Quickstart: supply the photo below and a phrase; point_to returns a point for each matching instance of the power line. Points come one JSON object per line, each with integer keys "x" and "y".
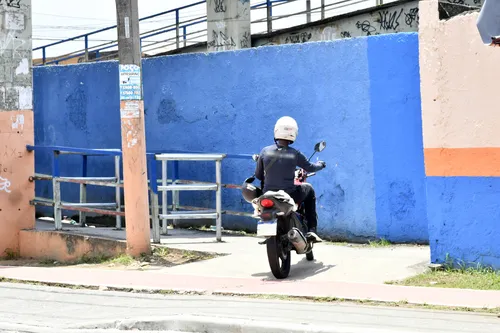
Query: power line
{"x": 100, "y": 26}
{"x": 75, "y": 17}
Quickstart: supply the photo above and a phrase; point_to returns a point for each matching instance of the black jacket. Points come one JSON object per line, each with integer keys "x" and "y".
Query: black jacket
{"x": 276, "y": 167}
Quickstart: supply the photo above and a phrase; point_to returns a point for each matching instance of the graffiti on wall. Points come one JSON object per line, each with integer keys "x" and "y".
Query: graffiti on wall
{"x": 225, "y": 31}
{"x": 393, "y": 19}
{"x": 472, "y": 3}
{"x": 4, "y": 185}
{"x": 15, "y": 55}
{"x": 389, "y": 21}
{"x": 298, "y": 37}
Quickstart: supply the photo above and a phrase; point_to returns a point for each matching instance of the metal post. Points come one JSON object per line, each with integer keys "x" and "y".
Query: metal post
{"x": 44, "y": 56}
{"x": 322, "y": 9}
{"x": 380, "y": 2}
{"x": 269, "y": 16}
{"x": 218, "y": 200}
{"x": 83, "y": 191}
{"x": 57, "y": 204}
{"x": 177, "y": 28}
{"x": 56, "y": 189}
{"x": 308, "y": 11}
{"x": 155, "y": 221}
{"x": 184, "y": 30}
{"x": 133, "y": 129}
{"x": 175, "y": 194}
{"x": 164, "y": 222}
{"x": 86, "y": 48}
{"x": 118, "y": 198}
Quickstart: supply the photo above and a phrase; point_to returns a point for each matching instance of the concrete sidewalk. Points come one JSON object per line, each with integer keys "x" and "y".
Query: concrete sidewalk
{"x": 156, "y": 280}
{"x": 340, "y": 271}
{"x": 247, "y": 259}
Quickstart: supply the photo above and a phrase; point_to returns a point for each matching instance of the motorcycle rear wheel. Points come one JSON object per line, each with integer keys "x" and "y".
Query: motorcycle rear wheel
{"x": 278, "y": 257}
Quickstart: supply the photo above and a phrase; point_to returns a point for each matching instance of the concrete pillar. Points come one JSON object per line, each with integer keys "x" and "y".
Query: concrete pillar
{"x": 16, "y": 124}
{"x": 228, "y": 25}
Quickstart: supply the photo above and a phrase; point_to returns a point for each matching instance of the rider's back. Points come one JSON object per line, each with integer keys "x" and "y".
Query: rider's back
{"x": 276, "y": 167}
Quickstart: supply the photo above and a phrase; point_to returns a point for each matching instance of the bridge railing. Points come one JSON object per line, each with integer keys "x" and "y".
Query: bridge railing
{"x": 189, "y": 30}
{"x": 158, "y": 183}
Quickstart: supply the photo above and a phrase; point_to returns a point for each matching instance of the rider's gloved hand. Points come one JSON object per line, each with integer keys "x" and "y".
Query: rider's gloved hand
{"x": 322, "y": 163}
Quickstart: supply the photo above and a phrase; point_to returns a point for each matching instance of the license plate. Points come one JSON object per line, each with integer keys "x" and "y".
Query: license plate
{"x": 267, "y": 228}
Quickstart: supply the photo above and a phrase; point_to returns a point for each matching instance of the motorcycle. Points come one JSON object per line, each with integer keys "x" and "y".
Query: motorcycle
{"x": 282, "y": 222}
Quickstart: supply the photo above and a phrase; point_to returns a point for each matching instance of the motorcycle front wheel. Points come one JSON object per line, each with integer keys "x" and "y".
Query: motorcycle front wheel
{"x": 279, "y": 258}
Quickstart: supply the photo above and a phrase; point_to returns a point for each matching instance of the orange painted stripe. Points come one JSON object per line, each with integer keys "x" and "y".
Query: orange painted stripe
{"x": 472, "y": 162}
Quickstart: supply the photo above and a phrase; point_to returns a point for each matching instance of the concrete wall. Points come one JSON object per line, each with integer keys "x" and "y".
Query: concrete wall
{"x": 65, "y": 247}
{"x": 16, "y": 124}
{"x": 461, "y": 141}
{"x": 390, "y": 18}
{"x": 228, "y": 25}
{"x": 365, "y": 104}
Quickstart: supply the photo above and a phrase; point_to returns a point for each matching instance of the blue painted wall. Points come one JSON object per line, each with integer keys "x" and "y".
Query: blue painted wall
{"x": 463, "y": 219}
{"x": 397, "y": 137}
{"x": 77, "y": 106}
{"x": 352, "y": 93}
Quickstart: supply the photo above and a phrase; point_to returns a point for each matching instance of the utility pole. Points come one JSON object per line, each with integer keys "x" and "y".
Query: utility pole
{"x": 133, "y": 129}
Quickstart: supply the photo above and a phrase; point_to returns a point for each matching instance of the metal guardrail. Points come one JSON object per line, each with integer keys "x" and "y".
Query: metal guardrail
{"x": 180, "y": 27}
{"x": 116, "y": 208}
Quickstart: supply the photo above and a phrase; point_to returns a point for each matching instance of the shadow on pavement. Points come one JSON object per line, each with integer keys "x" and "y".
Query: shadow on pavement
{"x": 300, "y": 271}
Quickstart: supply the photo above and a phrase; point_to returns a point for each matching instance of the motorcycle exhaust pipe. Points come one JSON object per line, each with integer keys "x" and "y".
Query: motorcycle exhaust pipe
{"x": 298, "y": 240}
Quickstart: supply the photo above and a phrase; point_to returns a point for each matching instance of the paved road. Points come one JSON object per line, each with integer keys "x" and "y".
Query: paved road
{"x": 55, "y": 309}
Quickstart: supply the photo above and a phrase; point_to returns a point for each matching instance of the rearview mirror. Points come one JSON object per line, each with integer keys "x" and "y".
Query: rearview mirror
{"x": 320, "y": 146}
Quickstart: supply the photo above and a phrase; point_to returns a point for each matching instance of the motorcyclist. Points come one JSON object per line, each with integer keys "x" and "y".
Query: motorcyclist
{"x": 276, "y": 169}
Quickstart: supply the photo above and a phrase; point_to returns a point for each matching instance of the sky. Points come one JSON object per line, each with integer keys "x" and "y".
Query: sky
{"x": 54, "y": 20}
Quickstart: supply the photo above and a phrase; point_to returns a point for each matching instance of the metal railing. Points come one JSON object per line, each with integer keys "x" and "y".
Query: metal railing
{"x": 180, "y": 27}
{"x": 175, "y": 187}
{"x": 116, "y": 208}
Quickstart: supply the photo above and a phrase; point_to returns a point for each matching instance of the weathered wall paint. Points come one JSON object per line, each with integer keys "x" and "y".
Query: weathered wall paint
{"x": 230, "y": 103}
{"x": 15, "y": 55}
{"x": 228, "y": 25}
{"x": 16, "y": 124}
{"x": 460, "y": 132}
{"x": 397, "y": 137}
{"x": 88, "y": 116}
{"x": 66, "y": 247}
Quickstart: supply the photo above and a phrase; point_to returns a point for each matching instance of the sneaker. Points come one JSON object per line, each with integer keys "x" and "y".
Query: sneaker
{"x": 312, "y": 236}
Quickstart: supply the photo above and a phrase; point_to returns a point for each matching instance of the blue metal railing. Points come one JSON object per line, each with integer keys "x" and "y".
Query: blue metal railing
{"x": 178, "y": 27}
{"x": 86, "y": 36}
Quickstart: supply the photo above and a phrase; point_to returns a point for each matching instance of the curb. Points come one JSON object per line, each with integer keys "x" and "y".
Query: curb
{"x": 196, "y": 324}
{"x": 137, "y": 289}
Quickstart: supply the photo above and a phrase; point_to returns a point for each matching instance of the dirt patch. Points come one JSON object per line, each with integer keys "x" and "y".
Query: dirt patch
{"x": 160, "y": 258}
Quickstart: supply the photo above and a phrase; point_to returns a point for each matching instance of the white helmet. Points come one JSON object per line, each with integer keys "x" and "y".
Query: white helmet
{"x": 286, "y": 128}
